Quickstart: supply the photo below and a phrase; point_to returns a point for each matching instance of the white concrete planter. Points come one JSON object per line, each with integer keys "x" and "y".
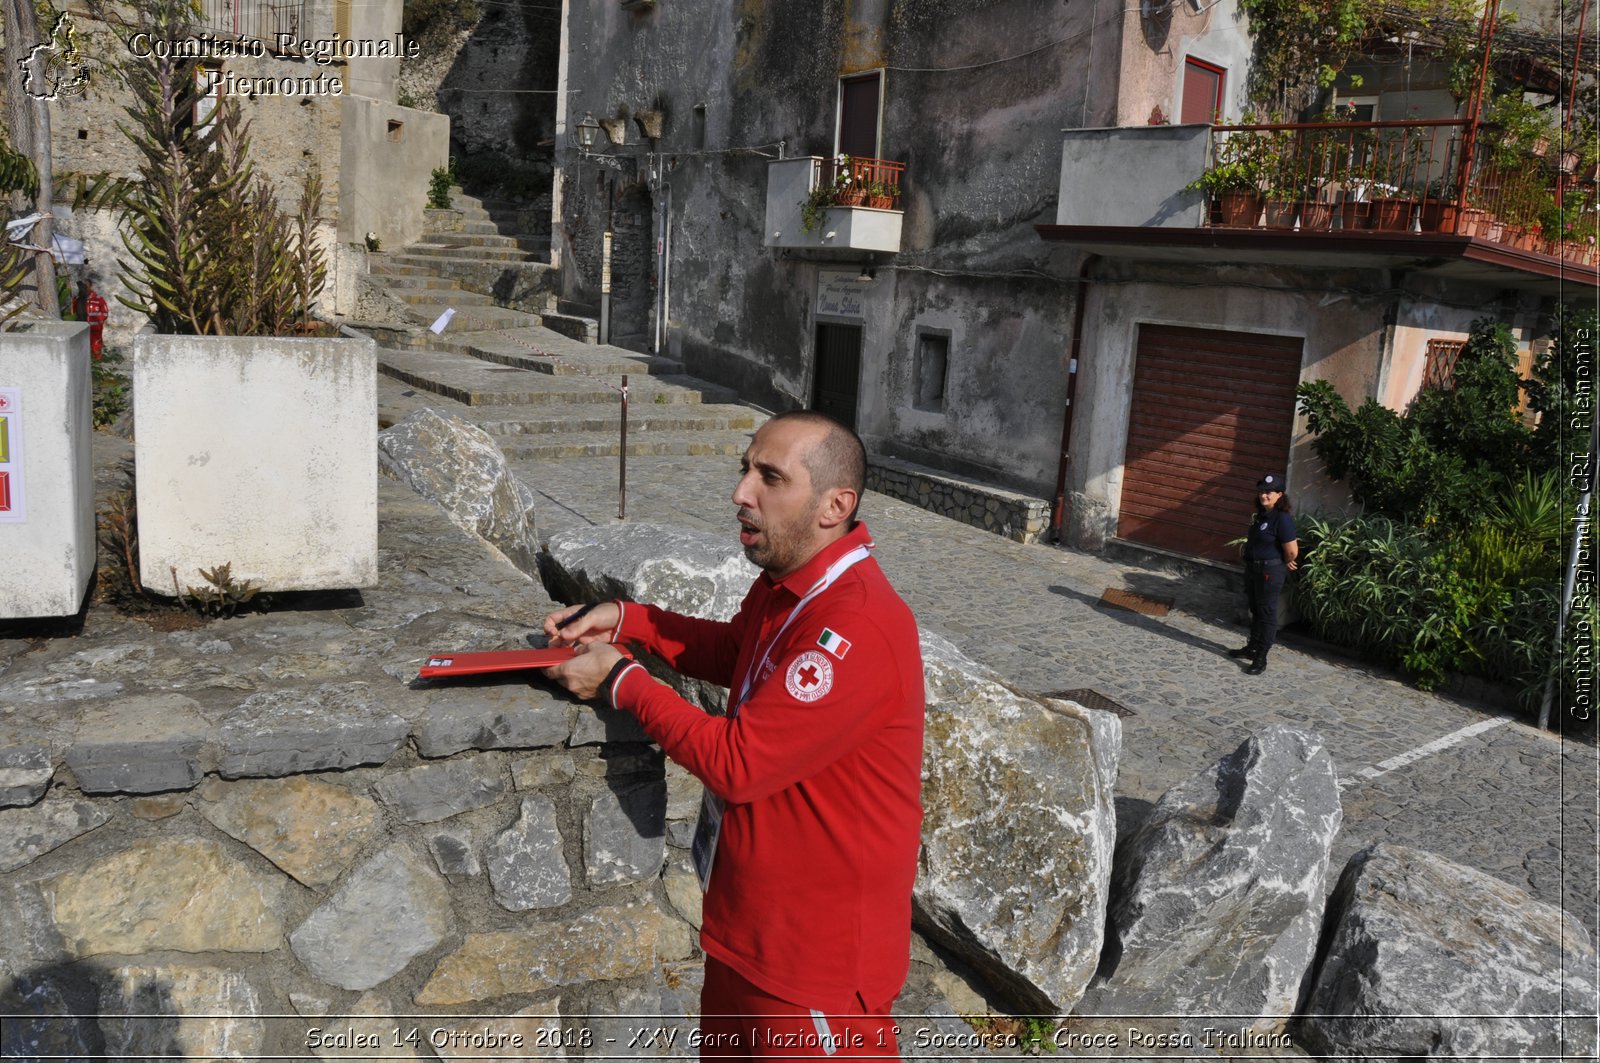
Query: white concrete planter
{"x": 47, "y": 547}
{"x": 259, "y": 451}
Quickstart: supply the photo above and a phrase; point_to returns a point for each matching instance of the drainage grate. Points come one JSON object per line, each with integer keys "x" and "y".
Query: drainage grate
{"x": 1135, "y": 603}
{"x": 1092, "y": 699}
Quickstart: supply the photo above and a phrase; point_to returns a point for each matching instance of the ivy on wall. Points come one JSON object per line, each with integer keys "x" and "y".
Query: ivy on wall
{"x": 1302, "y": 46}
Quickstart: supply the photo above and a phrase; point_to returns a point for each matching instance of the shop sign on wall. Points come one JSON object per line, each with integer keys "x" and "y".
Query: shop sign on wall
{"x": 12, "y": 510}
{"x": 839, "y": 293}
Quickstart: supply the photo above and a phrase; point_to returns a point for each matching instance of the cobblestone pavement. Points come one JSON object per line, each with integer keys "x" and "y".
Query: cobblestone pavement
{"x": 1420, "y": 769}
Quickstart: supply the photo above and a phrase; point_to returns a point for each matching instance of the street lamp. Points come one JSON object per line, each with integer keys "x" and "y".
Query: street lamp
{"x": 588, "y": 129}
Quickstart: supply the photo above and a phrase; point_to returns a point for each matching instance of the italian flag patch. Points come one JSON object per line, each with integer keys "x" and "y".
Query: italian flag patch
{"x": 833, "y": 643}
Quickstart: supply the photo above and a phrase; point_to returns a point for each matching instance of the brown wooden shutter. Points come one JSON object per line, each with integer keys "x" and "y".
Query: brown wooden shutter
{"x": 1202, "y": 92}
{"x": 1211, "y": 413}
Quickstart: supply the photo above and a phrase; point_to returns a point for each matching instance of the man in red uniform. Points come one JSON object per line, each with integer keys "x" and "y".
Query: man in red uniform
{"x": 815, "y": 772}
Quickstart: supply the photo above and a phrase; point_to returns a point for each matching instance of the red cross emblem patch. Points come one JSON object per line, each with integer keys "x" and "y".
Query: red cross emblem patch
{"x": 809, "y": 677}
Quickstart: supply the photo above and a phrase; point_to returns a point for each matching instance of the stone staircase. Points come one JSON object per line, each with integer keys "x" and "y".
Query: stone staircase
{"x": 492, "y": 279}
{"x": 530, "y": 375}
{"x": 545, "y": 396}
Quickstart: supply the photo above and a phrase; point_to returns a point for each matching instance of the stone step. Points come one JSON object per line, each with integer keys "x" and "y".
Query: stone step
{"x": 468, "y": 240}
{"x": 641, "y": 444}
{"x": 474, "y": 382}
{"x": 421, "y": 254}
{"x": 473, "y": 318}
{"x": 432, "y": 296}
{"x": 519, "y": 349}
{"x": 419, "y": 281}
{"x": 606, "y": 417}
{"x": 390, "y": 266}
{"x": 436, "y": 221}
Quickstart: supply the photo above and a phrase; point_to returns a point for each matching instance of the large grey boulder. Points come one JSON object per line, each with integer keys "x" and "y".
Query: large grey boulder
{"x": 686, "y": 571}
{"x": 1429, "y": 959}
{"x": 689, "y": 572}
{"x": 1217, "y": 897}
{"x": 454, "y": 463}
{"x": 1018, "y": 832}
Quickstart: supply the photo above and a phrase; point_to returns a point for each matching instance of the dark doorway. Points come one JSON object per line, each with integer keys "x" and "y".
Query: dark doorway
{"x": 858, "y": 116}
{"x": 838, "y": 374}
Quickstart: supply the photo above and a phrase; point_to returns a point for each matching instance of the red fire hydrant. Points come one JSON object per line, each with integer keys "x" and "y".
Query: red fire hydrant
{"x": 97, "y": 313}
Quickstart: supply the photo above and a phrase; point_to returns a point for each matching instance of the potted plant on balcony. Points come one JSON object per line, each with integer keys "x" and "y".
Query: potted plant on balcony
{"x": 1233, "y": 181}
{"x": 881, "y": 195}
{"x": 1391, "y": 208}
{"x": 849, "y": 190}
{"x": 255, "y": 442}
{"x": 1439, "y": 212}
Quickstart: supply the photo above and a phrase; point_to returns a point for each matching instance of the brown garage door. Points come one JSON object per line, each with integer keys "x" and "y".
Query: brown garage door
{"x": 1212, "y": 411}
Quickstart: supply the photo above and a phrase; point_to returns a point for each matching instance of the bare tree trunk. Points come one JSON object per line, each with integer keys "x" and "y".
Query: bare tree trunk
{"x": 28, "y": 122}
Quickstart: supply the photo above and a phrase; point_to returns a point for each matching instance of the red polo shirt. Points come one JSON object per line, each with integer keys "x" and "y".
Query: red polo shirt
{"x": 810, "y": 895}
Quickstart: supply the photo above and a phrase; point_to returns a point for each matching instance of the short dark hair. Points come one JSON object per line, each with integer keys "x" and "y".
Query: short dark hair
{"x": 838, "y": 459}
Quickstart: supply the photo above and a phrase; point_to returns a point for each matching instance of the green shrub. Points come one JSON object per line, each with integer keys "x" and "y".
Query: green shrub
{"x": 439, "y": 184}
{"x": 110, "y": 389}
{"x": 209, "y": 250}
{"x": 1447, "y": 456}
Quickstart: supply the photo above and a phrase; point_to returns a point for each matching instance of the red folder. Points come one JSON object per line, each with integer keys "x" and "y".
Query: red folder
{"x": 441, "y": 665}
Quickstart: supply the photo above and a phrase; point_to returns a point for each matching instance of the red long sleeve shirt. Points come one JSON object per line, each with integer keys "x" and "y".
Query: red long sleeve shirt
{"x": 810, "y": 895}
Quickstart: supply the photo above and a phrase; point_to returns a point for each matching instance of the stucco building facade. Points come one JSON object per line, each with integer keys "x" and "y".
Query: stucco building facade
{"x": 1043, "y": 231}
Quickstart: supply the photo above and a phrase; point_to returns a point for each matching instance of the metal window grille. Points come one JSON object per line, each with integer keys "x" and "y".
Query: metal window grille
{"x": 1440, "y": 371}
{"x": 254, "y": 19}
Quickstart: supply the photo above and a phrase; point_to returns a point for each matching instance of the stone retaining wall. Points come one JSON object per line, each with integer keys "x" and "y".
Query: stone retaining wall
{"x": 305, "y": 831}
{"x": 994, "y": 509}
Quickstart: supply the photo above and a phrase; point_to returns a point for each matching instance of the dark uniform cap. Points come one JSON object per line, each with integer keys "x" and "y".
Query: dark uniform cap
{"x": 1270, "y": 482}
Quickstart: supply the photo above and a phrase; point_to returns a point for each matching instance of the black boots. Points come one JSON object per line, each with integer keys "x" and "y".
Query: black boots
{"x": 1258, "y": 665}
{"x": 1244, "y": 651}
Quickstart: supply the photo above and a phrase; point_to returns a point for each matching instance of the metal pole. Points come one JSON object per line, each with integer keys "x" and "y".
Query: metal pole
{"x": 1579, "y": 531}
{"x": 1469, "y": 143}
{"x": 622, "y": 458}
{"x": 661, "y": 259}
{"x": 605, "y": 285}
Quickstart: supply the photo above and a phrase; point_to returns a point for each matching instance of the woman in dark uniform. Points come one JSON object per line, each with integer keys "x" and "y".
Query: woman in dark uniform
{"x": 1270, "y": 550}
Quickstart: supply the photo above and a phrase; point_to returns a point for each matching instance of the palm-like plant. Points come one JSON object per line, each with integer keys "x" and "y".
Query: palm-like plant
{"x": 210, "y": 252}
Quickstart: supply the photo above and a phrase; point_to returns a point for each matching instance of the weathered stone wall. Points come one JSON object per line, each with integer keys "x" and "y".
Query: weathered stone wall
{"x": 982, "y": 153}
{"x": 1015, "y": 516}
{"x": 306, "y": 832}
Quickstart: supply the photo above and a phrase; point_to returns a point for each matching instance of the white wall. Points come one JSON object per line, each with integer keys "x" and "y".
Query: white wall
{"x": 47, "y": 542}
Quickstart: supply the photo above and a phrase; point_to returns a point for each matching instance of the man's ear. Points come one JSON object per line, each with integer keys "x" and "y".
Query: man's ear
{"x": 837, "y": 505}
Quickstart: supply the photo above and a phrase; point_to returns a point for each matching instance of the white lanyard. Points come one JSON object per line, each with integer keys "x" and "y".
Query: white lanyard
{"x": 708, "y": 829}
{"x": 835, "y": 570}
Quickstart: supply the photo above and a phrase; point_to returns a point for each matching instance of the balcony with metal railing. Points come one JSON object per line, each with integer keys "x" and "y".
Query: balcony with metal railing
{"x": 840, "y": 204}
{"x": 1335, "y": 193}
{"x": 1416, "y": 177}
{"x": 258, "y": 20}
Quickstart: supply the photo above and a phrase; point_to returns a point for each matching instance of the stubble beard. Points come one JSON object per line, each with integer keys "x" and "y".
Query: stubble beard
{"x": 781, "y": 545}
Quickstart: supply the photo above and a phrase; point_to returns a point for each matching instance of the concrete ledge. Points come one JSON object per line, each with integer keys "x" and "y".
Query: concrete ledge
{"x": 582, "y": 329}
{"x": 1016, "y": 516}
{"x": 258, "y": 451}
{"x": 46, "y": 484}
